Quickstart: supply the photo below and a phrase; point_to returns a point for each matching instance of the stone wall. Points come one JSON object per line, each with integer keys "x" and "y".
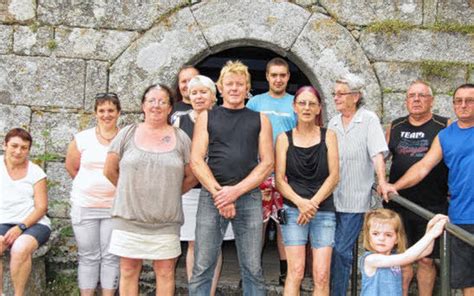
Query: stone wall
{"x": 56, "y": 54}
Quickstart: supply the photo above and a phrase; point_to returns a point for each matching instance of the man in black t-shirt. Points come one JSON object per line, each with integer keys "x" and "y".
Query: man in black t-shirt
{"x": 238, "y": 145}
{"x": 409, "y": 139}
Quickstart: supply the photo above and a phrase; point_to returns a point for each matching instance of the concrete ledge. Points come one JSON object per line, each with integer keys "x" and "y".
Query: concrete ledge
{"x": 36, "y": 284}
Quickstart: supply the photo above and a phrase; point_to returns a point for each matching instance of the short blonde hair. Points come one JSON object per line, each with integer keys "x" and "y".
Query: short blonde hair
{"x": 386, "y": 216}
{"x": 234, "y": 67}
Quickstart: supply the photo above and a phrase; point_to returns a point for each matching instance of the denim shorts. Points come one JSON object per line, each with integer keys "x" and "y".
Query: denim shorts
{"x": 39, "y": 231}
{"x": 320, "y": 230}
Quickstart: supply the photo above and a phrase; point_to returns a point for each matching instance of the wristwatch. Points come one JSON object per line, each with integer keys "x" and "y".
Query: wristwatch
{"x": 22, "y": 227}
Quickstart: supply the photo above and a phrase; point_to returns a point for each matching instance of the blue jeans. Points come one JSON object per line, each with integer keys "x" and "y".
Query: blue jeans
{"x": 210, "y": 230}
{"x": 320, "y": 229}
{"x": 348, "y": 226}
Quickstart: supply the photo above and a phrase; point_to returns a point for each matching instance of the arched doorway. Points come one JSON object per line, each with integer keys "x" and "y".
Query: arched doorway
{"x": 316, "y": 43}
{"x": 256, "y": 59}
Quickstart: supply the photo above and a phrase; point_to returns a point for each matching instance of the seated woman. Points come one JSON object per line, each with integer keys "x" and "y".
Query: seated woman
{"x": 307, "y": 171}
{"x": 23, "y": 206}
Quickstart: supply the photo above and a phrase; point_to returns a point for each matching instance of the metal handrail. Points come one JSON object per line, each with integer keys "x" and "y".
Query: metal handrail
{"x": 420, "y": 211}
{"x": 444, "y": 254}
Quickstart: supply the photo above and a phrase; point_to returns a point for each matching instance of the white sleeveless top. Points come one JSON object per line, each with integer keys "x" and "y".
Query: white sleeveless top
{"x": 90, "y": 188}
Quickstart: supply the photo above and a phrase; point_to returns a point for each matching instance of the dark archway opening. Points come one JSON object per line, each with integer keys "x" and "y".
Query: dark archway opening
{"x": 256, "y": 59}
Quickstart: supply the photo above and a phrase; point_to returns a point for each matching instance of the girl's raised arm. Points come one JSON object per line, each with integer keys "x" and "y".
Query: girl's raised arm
{"x": 422, "y": 248}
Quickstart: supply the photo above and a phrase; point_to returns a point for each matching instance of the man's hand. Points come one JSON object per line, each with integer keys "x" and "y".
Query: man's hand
{"x": 228, "y": 211}
{"x": 11, "y": 235}
{"x": 226, "y": 196}
{"x": 384, "y": 189}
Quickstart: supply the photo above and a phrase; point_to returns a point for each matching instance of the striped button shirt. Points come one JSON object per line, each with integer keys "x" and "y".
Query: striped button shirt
{"x": 362, "y": 140}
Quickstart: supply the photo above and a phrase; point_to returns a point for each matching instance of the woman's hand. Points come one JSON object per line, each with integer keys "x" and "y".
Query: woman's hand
{"x": 308, "y": 209}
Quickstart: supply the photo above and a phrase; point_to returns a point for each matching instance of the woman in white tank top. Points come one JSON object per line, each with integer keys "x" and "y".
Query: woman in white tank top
{"x": 92, "y": 196}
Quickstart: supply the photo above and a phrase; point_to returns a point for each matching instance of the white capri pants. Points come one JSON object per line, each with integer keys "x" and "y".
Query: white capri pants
{"x": 92, "y": 229}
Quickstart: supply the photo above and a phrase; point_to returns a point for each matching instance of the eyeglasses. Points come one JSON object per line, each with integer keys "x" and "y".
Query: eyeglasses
{"x": 412, "y": 96}
{"x": 106, "y": 95}
{"x": 153, "y": 101}
{"x": 467, "y": 101}
{"x": 340, "y": 94}
{"x": 307, "y": 103}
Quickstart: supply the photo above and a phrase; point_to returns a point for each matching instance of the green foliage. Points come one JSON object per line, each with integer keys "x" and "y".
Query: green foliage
{"x": 389, "y": 27}
{"x": 46, "y": 156}
{"x": 452, "y": 27}
{"x": 437, "y": 69}
{"x": 52, "y": 44}
{"x": 396, "y": 26}
{"x": 63, "y": 284}
{"x": 470, "y": 72}
{"x": 165, "y": 18}
{"x": 34, "y": 27}
{"x": 66, "y": 231}
{"x": 387, "y": 90}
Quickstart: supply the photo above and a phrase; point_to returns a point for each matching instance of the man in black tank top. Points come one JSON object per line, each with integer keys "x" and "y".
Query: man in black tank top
{"x": 238, "y": 144}
{"x": 409, "y": 139}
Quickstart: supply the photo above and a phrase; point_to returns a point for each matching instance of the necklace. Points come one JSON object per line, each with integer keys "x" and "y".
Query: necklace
{"x": 104, "y": 138}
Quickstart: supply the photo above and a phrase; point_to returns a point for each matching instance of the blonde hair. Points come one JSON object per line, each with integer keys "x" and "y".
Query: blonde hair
{"x": 234, "y": 67}
{"x": 386, "y": 216}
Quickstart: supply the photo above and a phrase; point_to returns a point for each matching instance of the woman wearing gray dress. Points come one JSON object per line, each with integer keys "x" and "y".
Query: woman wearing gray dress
{"x": 149, "y": 164}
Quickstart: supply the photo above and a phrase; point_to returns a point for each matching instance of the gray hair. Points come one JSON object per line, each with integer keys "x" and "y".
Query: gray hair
{"x": 201, "y": 80}
{"x": 420, "y": 81}
{"x": 355, "y": 84}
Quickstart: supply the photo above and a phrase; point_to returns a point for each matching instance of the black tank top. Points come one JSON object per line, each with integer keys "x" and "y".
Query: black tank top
{"x": 408, "y": 144}
{"x": 187, "y": 125}
{"x": 307, "y": 169}
{"x": 233, "y": 143}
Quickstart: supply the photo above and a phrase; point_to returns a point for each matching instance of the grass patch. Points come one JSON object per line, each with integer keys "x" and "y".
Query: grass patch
{"x": 52, "y": 44}
{"x": 165, "y": 17}
{"x": 452, "y": 27}
{"x": 66, "y": 231}
{"x": 34, "y": 27}
{"x": 63, "y": 284}
{"x": 396, "y": 26}
{"x": 389, "y": 27}
{"x": 437, "y": 69}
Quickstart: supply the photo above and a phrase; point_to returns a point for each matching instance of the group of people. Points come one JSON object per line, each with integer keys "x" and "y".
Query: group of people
{"x": 193, "y": 171}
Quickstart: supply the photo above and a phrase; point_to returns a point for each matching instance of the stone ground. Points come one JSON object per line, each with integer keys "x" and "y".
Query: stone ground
{"x": 229, "y": 281}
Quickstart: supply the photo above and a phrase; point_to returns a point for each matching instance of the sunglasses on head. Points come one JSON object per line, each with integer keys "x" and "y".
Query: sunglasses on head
{"x": 106, "y": 95}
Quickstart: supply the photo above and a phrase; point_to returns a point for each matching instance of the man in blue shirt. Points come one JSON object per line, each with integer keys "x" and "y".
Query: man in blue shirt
{"x": 455, "y": 146}
{"x": 277, "y": 104}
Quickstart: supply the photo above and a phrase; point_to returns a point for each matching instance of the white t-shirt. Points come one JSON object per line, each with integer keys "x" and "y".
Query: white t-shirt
{"x": 90, "y": 188}
{"x": 17, "y": 196}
